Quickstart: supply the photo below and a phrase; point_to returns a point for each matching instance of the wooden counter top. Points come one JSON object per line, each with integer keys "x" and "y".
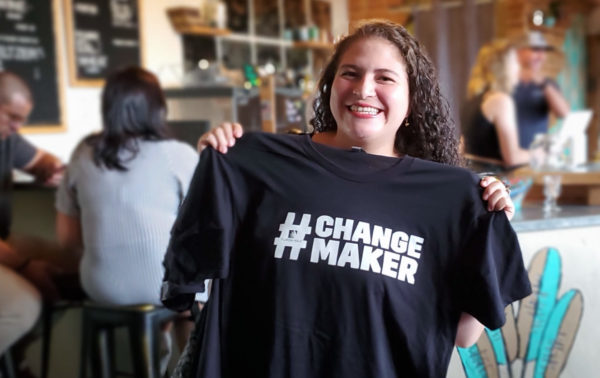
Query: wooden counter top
{"x": 579, "y": 186}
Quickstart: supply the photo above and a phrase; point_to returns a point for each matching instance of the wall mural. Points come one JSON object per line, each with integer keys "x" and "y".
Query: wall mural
{"x": 537, "y": 343}
{"x": 572, "y": 79}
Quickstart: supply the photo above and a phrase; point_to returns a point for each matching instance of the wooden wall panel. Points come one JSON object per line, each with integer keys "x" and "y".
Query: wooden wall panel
{"x": 388, "y": 9}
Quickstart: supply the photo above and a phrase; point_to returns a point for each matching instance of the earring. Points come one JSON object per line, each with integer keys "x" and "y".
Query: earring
{"x": 406, "y": 123}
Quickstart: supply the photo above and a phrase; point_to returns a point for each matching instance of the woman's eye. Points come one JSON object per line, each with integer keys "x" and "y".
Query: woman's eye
{"x": 386, "y": 79}
{"x": 349, "y": 74}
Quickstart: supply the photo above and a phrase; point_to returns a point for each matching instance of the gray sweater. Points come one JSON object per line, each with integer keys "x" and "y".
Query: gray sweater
{"x": 126, "y": 218}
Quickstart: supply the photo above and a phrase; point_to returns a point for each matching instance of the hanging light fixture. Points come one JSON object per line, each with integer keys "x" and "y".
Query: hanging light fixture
{"x": 538, "y": 17}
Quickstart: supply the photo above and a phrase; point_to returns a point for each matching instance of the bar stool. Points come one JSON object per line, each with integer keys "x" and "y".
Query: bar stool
{"x": 49, "y": 310}
{"x": 143, "y": 323}
{"x": 73, "y": 297}
{"x": 7, "y": 365}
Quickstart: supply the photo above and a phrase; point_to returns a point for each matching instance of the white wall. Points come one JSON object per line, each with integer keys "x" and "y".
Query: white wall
{"x": 162, "y": 54}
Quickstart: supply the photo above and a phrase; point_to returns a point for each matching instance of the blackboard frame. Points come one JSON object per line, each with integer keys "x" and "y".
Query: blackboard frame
{"x": 74, "y": 78}
{"x": 61, "y": 126}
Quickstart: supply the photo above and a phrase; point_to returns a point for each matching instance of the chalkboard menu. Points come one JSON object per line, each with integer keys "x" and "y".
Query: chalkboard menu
{"x": 27, "y": 48}
{"x": 103, "y": 35}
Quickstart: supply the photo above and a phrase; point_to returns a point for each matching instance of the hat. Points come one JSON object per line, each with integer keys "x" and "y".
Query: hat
{"x": 534, "y": 39}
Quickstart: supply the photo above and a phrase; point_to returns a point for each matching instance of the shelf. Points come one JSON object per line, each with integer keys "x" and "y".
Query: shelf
{"x": 209, "y": 91}
{"x": 313, "y": 45}
{"x": 201, "y": 30}
{"x": 187, "y": 20}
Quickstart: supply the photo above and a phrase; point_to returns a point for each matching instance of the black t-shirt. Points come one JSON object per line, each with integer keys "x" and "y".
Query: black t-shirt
{"x": 15, "y": 152}
{"x": 335, "y": 263}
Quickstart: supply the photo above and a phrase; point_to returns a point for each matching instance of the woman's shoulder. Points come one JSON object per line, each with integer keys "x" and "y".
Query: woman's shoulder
{"x": 180, "y": 158}
{"x": 496, "y": 104}
{"x": 83, "y": 149}
{"x": 171, "y": 147}
{"x": 497, "y": 99}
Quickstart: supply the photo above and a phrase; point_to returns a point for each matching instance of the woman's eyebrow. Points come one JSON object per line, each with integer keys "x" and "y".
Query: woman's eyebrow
{"x": 352, "y": 66}
{"x": 388, "y": 71}
{"x": 378, "y": 70}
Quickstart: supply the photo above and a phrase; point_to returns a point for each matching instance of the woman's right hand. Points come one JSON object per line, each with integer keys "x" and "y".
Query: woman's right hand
{"x": 221, "y": 137}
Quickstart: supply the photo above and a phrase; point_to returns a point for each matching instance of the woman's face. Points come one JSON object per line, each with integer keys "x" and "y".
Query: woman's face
{"x": 532, "y": 58}
{"x": 512, "y": 68}
{"x": 369, "y": 96}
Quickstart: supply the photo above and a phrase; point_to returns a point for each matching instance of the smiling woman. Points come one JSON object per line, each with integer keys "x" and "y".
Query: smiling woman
{"x": 364, "y": 262}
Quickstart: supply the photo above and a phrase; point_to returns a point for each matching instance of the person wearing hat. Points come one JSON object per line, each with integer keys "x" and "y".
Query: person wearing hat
{"x": 536, "y": 96}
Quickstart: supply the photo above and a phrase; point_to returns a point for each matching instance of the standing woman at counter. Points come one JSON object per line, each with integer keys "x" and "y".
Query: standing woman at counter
{"x": 122, "y": 190}
{"x": 489, "y": 122}
{"x": 363, "y": 251}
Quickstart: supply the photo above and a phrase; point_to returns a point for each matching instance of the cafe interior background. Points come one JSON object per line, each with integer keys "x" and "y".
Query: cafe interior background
{"x": 256, "y": 61}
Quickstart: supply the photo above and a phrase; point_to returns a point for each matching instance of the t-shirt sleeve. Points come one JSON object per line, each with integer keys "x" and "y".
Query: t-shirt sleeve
{"x": 23, "y": 151}
{"x": 203, "y": 234}
{"x": 491, "y": 273}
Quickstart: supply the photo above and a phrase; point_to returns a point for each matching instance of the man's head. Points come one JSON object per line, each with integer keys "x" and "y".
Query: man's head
{"x": 15, "y": 103}
{"x": 532, "y": 49}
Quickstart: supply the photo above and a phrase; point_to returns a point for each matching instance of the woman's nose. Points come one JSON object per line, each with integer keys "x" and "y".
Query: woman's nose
{"x": 364, "y": 88}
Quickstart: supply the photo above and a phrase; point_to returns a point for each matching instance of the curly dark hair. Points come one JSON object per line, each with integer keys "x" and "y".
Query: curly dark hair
{"x": 431, "y": 133}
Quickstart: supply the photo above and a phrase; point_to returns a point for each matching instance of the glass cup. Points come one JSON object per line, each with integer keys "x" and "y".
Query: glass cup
{"x": 552, "y": 183}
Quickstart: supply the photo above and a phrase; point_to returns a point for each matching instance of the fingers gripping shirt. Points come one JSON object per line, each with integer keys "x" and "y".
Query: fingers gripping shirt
{"x": 336, "y": 263}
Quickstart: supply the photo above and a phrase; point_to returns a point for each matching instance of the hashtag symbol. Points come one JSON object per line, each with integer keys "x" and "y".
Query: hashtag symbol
{"x": 292, "y": 235}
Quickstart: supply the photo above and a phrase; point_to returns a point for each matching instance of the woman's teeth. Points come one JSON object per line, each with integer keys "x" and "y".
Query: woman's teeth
{"x": 364, "y": 109}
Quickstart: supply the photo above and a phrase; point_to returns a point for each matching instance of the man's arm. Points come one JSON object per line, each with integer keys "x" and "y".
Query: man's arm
{"x": 46, "y": 167}
{"x": 556, "y": 101}
{"x": 9, "y": 258}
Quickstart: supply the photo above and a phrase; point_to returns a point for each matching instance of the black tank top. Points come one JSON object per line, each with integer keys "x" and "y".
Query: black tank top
{"x": 480, "y": 134}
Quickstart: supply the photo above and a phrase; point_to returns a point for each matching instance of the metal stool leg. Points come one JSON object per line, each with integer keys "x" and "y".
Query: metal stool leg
{"x": 86, "y": 337}
{"x": 101, "y": 352}
{"x": 142, "y": 348}
{"x": 109, "y": 353}
{"x": 47, "y": 313}
{"x": 7, "y": 365}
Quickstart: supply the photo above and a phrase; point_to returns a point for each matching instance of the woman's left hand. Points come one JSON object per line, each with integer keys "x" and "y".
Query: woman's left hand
{"x": 497, "y": 196}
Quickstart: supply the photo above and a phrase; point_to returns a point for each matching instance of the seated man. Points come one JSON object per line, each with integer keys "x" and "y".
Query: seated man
{"x": 19, "y": 274}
